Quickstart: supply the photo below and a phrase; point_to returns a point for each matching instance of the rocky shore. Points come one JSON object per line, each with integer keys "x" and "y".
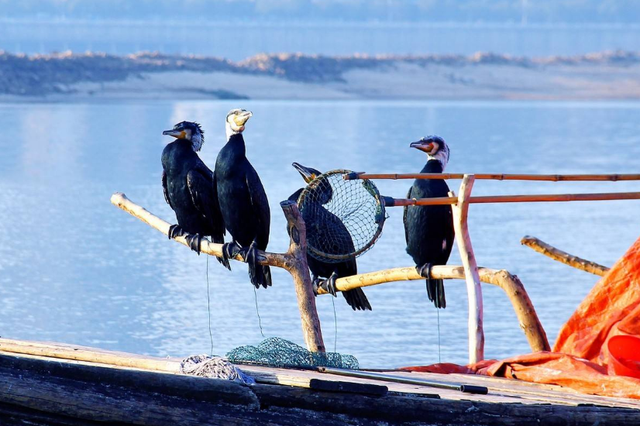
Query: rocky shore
{"x": 607, "y": 75}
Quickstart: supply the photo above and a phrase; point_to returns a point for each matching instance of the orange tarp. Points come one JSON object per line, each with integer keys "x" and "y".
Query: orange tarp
{"x": 580, "y": 358}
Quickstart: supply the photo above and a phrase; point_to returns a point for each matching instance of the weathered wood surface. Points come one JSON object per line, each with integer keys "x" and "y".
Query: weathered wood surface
{"x": 296, "y": 264}
{"x": 58, "y": 390}
{"x": 475, "y": 325}
{"x": 563, "y": 257}
{"x": 499, "y": 176}
{"x": 511, "y": 284}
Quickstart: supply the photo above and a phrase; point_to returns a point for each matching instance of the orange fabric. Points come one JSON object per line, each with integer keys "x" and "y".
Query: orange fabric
{"x": 580, "y": 357}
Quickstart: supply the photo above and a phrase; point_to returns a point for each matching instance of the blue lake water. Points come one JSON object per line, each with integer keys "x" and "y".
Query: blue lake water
{"x": 238, "y": 41}
{"x": 75, "y": 269}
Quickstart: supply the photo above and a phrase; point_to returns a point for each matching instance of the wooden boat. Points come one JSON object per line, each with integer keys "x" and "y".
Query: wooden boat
{"x": 57, "y": 387}
{"x": 53, "y": 384}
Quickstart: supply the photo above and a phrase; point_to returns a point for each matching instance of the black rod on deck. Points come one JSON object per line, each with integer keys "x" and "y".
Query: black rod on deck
{"x": 400, "y": 379}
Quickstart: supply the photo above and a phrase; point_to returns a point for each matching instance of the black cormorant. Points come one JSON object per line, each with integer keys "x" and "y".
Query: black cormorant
{"x": 188, "y": 186}
{"x": 317, "y": 220}
{"x": 429, "y": 229}
{"x": 243, "y": 201}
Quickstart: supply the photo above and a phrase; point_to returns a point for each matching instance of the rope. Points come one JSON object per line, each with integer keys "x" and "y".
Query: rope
{"x": 438, "y": 316}
{"x": 335, "y": 325}
{"x": 214, "y": 367}
{"x": 209, "y": 309}
{"x": 255, "y": 295}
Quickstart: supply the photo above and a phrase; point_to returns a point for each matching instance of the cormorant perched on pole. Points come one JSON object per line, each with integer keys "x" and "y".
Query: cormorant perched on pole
{"x": 317, "y": 218}
{"x": 243, "y": 201}
{"x": 429, "y": 229}
{"x": 188, "y": 187}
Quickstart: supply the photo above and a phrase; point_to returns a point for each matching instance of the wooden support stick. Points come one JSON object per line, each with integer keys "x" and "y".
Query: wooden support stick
{"x": 294, "y": 261}
{"x": 495, "y": 176}
{"x": 474, "y": 290}
{"x": 533, "y": 198}
{"x": 512, "y": 286}
{"x": 563, "y": 257}
{"x": 297, "y": 266}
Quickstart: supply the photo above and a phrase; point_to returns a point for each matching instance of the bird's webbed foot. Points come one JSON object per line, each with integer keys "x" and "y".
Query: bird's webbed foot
{"x": 424, "y": 270}
{"x": 175, "y": 231}
{"x": 224, "y": 261}
{"x": 330, "y": 284}
{"x": 229, "y": 251}
{"x": 315, "y": 284}
{"x": 194, "y": 241}
{"x": 250, "y": 254}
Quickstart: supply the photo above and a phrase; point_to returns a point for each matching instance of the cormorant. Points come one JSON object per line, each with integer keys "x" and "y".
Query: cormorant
{"x": 188, "y": 187}
{"x": 243, "y": 201}
{"x": 429, "y": 229}
{"x": 318, "y": 220}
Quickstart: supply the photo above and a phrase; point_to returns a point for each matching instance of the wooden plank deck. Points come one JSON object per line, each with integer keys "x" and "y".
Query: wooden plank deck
{"x": 43, "y": 390}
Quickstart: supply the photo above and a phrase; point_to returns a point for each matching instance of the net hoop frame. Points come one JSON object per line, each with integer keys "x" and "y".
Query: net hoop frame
{"x": 336, "y": 258}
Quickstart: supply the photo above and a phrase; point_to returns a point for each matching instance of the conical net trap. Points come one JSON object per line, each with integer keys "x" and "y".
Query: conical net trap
{"x": 344, "y": 218}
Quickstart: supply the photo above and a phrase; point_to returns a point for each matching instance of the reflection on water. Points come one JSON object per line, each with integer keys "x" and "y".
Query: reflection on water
{"x": 75, "y": 269}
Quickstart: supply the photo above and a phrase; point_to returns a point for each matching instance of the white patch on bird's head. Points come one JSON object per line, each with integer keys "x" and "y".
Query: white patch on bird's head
{"x": 435, "y": 147}
{"x": 236, "y": 120}
{"x": 190, "y": 131}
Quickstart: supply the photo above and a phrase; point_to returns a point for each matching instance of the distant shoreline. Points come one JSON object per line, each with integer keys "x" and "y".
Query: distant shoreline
{"x": 68, "y": 76}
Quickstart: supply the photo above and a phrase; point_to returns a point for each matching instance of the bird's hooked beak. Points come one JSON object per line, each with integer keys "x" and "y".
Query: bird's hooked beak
{"x": 307, "y": 173}
{"x": 176, "y": 133}
{"x": 428, "y": 146}
{"x": 241, "y": 118}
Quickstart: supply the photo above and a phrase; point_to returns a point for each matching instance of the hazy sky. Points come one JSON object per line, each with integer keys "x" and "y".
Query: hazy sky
{"x": 532, "y": 11}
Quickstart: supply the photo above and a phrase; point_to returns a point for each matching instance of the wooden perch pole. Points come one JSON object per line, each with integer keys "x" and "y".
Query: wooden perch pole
{"x": 495, "y": 176}
{"x": 474, "y": 290}
{"x": 511, "y": 284}
{"x": 563, "y": 257}
{"x": 294, "y": 261}
{"x": 533, "y": 198}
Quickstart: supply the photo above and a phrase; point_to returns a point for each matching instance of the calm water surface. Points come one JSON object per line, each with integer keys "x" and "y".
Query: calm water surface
{"x": 75, "y": 269}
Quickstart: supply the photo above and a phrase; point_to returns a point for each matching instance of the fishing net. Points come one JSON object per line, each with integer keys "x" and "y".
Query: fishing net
{"x": 277, "y": 352}
{"x": 344, "y": 218}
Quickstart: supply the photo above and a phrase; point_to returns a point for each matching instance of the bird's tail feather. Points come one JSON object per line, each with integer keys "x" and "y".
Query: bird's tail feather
{"x": 435, "y": 291}
{"x": 357, "y": 299}
{"x": 260, "y": 275}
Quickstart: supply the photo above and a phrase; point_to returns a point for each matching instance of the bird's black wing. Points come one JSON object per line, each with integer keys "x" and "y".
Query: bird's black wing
{"x": 260, "y": 204}
{"x": 165, "y": 190}
{"x": 404, "y": 217}
{"x": 202, "y": 187}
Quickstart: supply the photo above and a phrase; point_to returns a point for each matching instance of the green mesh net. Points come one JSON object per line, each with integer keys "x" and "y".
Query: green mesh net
{"x": 277, "y": 352}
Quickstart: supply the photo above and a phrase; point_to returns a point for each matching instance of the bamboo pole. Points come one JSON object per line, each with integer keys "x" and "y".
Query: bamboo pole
{"x": 294, "y": 261}
{"x": 86, "y": 354}
{"x": 510, "y": 284}
{"x": 474, "y": 290}
{"x": 533, "y": 198}
{"x": 563, "y": 257}
{"x": 495, "y": 176}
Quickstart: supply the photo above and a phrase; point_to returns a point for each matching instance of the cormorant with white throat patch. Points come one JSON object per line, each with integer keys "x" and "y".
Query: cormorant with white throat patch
{"x": 243, "y": 201}
{"x": 429, "y": 229}
{"x": 317, "y": 218}
{"x": 188, "y": 186}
